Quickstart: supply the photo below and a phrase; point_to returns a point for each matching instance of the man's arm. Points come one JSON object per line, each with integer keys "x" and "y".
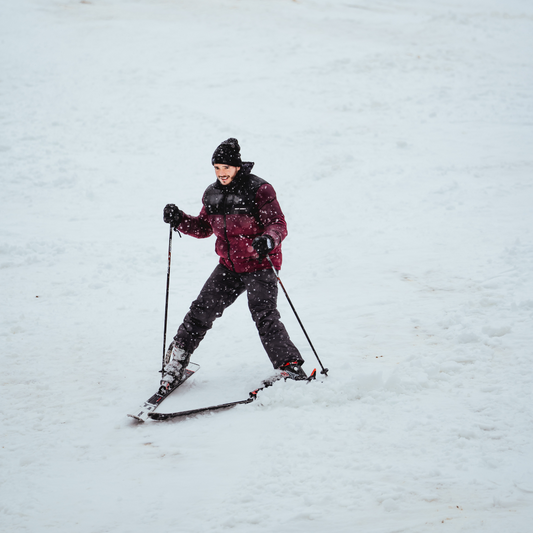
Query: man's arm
{"x": 270, "y": 214}
{"x": 198, "y": 227}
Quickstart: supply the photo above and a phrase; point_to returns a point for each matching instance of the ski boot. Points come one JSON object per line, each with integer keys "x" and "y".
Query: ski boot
{"x": 176, "y": 361}
{"x": 292, "y": 370}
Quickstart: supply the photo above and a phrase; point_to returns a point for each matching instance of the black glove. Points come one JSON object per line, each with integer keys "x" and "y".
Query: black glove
{"x": 172, "y": 215}
{"x": 262, "y": 245}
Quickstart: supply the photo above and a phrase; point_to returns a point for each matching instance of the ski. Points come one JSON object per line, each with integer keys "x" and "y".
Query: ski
{"x": 150, "y": 405}
{"x": 251, "y": 397}
{"x": 166, "y": 416}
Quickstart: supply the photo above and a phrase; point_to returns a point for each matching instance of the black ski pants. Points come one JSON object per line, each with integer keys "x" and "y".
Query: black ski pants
{"x": 220, "y": 291}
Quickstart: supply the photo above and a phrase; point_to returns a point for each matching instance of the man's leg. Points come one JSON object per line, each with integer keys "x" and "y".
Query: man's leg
{"x": 220, "y": 291}
{"x": 262, "y": 292}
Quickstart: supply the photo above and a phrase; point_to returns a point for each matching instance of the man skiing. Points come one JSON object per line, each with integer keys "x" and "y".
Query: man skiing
{"x": 243, "y": 212}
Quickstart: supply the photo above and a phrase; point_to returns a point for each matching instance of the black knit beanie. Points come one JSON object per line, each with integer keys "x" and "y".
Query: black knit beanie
{"x": 228, "y": 153}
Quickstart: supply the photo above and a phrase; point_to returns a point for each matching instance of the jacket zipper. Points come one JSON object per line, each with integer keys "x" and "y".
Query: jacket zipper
{"x": 226, "y": 229}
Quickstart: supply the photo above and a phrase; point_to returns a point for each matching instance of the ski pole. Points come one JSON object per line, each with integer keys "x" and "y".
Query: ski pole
{"x": 166, "y": 300}
{"x": 324, "y": 370}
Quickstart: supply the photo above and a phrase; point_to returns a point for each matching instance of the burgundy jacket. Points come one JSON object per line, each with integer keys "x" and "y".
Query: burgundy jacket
{"x": 236, "y": 214}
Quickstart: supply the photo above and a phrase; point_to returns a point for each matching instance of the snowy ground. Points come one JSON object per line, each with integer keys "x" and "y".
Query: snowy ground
{"x": 398, "y": 135}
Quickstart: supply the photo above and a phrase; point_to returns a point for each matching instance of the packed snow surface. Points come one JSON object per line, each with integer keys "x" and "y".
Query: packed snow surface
{"x": 398, "y": 136}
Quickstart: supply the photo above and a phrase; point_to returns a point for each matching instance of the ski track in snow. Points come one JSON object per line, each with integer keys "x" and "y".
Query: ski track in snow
{"x": 398, "y": 136}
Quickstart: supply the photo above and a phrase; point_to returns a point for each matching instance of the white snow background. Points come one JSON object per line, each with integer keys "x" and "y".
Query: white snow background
{"x": 398, "y": 136}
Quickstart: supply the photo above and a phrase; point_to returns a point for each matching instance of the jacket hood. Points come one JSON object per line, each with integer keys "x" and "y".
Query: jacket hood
{"x": 246, "y": 167}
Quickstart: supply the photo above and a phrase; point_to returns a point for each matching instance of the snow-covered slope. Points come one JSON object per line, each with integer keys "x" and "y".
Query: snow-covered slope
{"x": 398, "y": 136}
